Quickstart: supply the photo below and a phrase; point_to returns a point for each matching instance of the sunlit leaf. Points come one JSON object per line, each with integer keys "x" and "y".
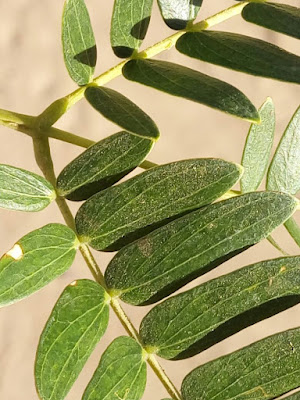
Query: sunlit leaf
{"x": 102, "y": 165}
{"x": 241, "y": 53}
{"x": 188, "y": 323}
{"x": 120, "y": 214}
{"x": 35, "y": 260}
{"x": 184, "y": 82}
{"x": 129, "y": 25}
{"x": 263, "y": 370}
{"x": 258, "y": 148}
{"x": 122, "y": 111}
{"x": 281, "y": 18}
{"x": 78, "y": 41}
{"x": 284, "y": 171}
{"x": 76, "y": 324}
{"x": 178, "y": 13}
{"x": 121, "y": 373}
{"x": 166, "y": 259}
{"x": 22, "y": 190}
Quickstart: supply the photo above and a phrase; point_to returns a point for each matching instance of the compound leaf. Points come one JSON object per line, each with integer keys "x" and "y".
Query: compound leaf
{"x": 192, "y": 85}
{"x": 121, "y": 374}
{"x": 78, "y": 41}
{"x": 35, "y": 260}
{"x": 129, "y": 25}
{"x": 102, "y": 165}
{"x": 178, "y": 13}
{"x": 281, "y": 18}
{"x": 121, "y": 214}
{"x": 22, "y": 190}
{"x": 76, "y": 324}
{"x": 188, "y": 323}
{"x": 168, "y": 258}
{"x": 241, "y": 53}
{"x": 122, "y": 111}
{"x": 258, "y": 148}
{"x": 263, "y": 370}
{"x": 284, "y": 172}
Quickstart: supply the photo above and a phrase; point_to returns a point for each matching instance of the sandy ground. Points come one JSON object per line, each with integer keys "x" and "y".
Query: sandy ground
{"x": 32, "y": 76}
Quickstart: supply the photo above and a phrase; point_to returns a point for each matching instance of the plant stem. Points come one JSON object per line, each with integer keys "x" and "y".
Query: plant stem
{"x": 55, "y": 111}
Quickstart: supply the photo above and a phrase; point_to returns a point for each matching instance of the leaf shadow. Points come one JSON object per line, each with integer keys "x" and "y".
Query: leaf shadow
{"x": 87, "y": 57}
{"x": 239, "y": 323}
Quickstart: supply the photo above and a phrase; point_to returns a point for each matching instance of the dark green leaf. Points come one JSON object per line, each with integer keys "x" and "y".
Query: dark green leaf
{"x": 263, "y": 370}
{"x": 168, "y": 258}
{"x": 241, "y": 53}
{"x": 121, "y": 374}
{"x": 258, "y": 148}
{"x": 78, "y": 41}
{"x": 178, "y": 13}
{"x": 22, "y": 190}
{"x": 35, "y": 260}
{"x": 278, "y": 17}
{"x": 76, "y": 324}
{"x": 122, "y": 111}
{"x": 188, "y": 323}
{"x": 129, "y": 25}
{"x": 293, "y": 229}
{"x": 102, "y": 165}
{"x": 284, "y": 171}
{"x": 121, "y": 214}
{"x": 192, "y": 85}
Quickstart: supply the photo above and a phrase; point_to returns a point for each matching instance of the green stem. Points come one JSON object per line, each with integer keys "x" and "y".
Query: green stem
{"x": 55, "y": 111}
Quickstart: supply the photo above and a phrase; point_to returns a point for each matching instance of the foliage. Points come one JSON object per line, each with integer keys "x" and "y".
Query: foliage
{"x": 169, "y": 224}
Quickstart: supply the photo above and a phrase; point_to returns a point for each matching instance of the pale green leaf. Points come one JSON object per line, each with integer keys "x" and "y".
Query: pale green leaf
{"x": 166, "y": 259}
{"x": 35, "y": 260}
{"x": 241, "y": 53}
{"x": 78, "y": 41}
{"x": 122, "y": 213}
{"x": 121, "y": 374}
{"x": 122, "y": 111}
{"x": 178, "y": 13}
{"x": 129, "y": 25}
{"x": 184, "y": 82}
{"x": 76, "y": 324}
{"x": 262, "y": 371}
{"x": 281, "y": 18}
{"x": 102, "y": 165}
{"x": 284, "y": 171}
{"x": 22, "y": 190}
{"x": 190, "y": 322}
{"x": 293, "y": 229}
{"x": 258, "y": 148}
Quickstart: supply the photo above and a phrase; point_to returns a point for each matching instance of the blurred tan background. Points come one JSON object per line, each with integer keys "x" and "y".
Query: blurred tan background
{"x": 32, "y": 76}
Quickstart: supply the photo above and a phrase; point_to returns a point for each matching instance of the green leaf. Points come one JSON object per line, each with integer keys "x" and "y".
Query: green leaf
{"x": 122, "y": 111}
{"x": 278, "y": 17}
{"x": 241, "y": 53}
{"x": 284, "y": 171}
{"x": 129, "y": 25}
{"x": 168, "y": 258}
{"x": 35, "y": 260}
{"x": 192, "y": 85}
{"x": 131, "y": 209}
{"x": 258, "y": 148}
{"x": 263, "y": 370}
{"x": 121, "y": 374}
{"x": 22, "y": 190}
{"x": 178, "y": 13}
{"x": 76, "y": 324}
{"x": 295, "y": 396}
{"x": 293, "y": 229}
{"x": 78, "y": 41}
{"x": 102, "y": 165}
{"x": 190, "y": 322}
